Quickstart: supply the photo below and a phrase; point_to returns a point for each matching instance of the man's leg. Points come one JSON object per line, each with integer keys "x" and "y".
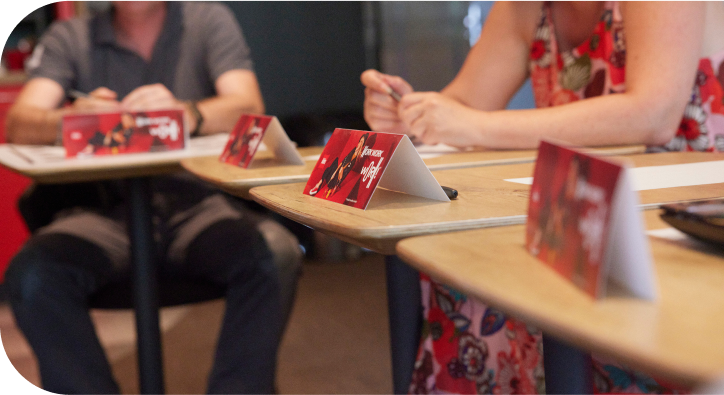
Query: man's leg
{"x": 49, "y": 281}
{"x": 252, "y": 263}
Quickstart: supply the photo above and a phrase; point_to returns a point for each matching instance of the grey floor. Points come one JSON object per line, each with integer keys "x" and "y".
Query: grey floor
{"x": 337, "y": 340}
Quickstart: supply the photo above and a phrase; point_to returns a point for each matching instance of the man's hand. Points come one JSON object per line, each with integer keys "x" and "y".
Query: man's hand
{"x": 150, "y": 97}
{"x": 101, "y": 99}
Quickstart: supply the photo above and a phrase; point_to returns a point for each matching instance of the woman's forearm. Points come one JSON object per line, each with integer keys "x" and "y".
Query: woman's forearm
{"x": 607, "y": 120}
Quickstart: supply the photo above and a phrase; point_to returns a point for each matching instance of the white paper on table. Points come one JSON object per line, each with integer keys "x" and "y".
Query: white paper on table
{"x": 38, "y": 157}
{"x": 433, "y": 151}
{"x": 668, "y": 176}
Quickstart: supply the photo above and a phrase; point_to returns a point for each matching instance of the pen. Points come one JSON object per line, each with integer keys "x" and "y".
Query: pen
{"x": 452, "y": 194}
{"x": 394, "y": 94}
{"x": 74, "y": 94}
{"x": 397, "y": 98}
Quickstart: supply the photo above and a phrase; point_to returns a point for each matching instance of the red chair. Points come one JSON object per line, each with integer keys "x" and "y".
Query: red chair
{"x": 13, "y": 231}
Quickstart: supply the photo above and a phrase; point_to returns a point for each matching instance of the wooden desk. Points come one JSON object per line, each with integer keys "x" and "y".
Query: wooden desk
{"x": 266, "y": 171}
{"x": 135, "y": 168}
{"x": 55, "y": 169}
{"x": 485, "y": 200}
{"x": 677, "y": 336}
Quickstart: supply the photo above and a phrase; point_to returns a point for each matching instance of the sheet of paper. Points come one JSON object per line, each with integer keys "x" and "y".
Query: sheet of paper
{"x": 669, "y": 176}
{"x": 682, "y": 239}
{"x": 25, "y": 157}
{"x": 433, "y": 151}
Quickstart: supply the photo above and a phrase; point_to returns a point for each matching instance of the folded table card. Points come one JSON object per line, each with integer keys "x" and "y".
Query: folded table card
{"x": 86, "y": 135}
{"x": 584, "y": 223}
{"x": 355, "y": 163}
{"x": 248, "y": 134}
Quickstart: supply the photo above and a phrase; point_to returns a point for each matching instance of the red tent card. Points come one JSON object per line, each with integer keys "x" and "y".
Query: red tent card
{"x": 355, "y": 163}
{"x": 123, "y": 133}
{"x": 248, "y": 134}
{"x": 583, "y": 222}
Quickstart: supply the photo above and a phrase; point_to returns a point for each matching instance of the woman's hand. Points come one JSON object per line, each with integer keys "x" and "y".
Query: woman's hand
{"x": 380, "y": 108}
{"x": 434, "y": 118}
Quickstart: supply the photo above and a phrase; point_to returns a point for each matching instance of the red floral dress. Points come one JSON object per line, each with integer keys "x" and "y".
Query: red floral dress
{"x": 597, "y": 67}
{"x": 468, "y": 347}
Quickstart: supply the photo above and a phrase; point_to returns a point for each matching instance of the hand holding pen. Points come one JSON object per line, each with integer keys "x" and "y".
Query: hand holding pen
{"x": 100, "y": 99}
{"x": 382, "y": 93}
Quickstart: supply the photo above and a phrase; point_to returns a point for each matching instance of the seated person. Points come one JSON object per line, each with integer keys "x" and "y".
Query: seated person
{"x": 603, "y": 73}
{"x": 145, "y": 56}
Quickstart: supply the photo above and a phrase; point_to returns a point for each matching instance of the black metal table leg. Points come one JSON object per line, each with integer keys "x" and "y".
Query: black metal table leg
{"x": 140, "y": 229}
{"x": 567, "y": 369}
{"x": 405, "y": 311}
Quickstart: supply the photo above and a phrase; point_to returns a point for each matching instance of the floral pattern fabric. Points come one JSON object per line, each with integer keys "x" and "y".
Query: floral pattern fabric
{"x": 597, "y": 67}
{"x": 467, "y": 347}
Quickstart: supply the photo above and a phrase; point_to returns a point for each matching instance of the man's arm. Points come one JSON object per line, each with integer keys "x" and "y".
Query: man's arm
{"x": 237, "y": 93}
{"x": 35, "y": 117}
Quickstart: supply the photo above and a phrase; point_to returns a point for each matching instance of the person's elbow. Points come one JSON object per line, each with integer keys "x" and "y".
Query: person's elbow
{"x": 663, "y": 123}
{"x": 654, "y": 122}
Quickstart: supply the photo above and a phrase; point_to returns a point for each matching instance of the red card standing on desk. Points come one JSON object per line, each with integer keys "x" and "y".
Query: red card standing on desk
{"x": 123, "y": 133}
{"x": 355, "y": 163}
{"x": 249, "y": 134}
{"x": 583, "y": 222}
{"x": 350, "y": 166}
{"x": 245, "y": 139}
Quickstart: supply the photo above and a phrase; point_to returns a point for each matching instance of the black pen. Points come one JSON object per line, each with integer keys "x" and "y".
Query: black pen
{"x": 452, "y": 194}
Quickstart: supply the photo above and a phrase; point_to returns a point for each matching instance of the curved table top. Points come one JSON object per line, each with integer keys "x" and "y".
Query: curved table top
{"x": 677, "y": 336}
{"x": 47, "y": 164}
{"x": 266, "y": 171}
{"x": 485, "y": 200}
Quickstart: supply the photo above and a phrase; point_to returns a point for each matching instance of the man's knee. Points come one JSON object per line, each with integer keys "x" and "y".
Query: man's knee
{"x": 53, "y": 266}
{"x": 286, "y": 253}
{"x": 28, "y": 277}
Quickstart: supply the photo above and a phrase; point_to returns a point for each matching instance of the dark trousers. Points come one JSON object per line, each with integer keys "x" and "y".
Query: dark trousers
{"x": 52, "y": 278}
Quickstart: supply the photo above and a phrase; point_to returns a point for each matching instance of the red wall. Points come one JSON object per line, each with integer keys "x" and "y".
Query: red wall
{"x": 13, "y": 232}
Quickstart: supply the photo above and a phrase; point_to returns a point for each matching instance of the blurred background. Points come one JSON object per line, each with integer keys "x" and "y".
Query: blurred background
{"x": 308, "y": 58}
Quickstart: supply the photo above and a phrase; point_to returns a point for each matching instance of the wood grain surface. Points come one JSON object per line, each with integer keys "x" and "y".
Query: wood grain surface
{"x": 267, "y": 171}
{"x": 677, "y": 337}
{"x": 485, "y": 200}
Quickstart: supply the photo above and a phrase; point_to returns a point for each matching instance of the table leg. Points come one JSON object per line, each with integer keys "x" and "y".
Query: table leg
{"x": 405, "y": 314}
{"x": 567, "y": 369}
{"x": 140, "y": 228}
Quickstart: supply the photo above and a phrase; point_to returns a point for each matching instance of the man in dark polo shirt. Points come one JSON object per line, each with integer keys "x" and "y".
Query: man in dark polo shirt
{"x": 144, "y": 56}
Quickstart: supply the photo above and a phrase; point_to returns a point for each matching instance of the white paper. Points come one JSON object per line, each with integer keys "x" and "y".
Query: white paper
{"x": 669, "y": 176}
{"x": 40, "y": 157}
{"x": 627, "y": 260}
{"x": 407, "y": 173}
{"x": 433, "y": 151}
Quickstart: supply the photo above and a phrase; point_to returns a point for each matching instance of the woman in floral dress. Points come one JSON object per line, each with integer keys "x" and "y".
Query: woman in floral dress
{"x": 603, "y": 73}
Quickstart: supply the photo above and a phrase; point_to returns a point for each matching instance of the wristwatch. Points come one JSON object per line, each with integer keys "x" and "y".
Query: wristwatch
{"x": 197, "y": 116}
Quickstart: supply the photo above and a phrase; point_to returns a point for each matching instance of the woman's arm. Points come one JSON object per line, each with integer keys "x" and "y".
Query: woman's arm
{"x": 663, "y": 44}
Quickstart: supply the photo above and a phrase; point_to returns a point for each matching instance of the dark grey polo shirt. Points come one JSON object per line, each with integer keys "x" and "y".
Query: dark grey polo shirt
{"x": 198, "y": 43}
